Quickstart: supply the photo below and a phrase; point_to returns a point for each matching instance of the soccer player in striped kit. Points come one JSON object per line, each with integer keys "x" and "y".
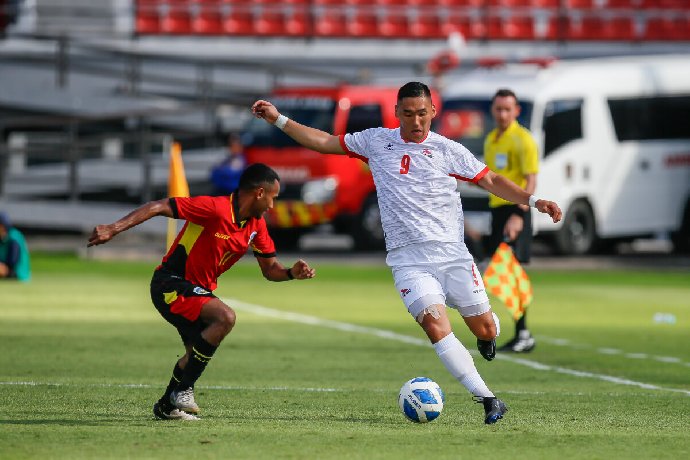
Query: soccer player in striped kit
{"x": 218, "y": 232}
{"x": 415, "y": 171}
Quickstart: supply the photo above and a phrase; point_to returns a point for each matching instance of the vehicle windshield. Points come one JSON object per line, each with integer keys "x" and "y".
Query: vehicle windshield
{"x": 468, "y": 121}
{"x": 317, "y": 112}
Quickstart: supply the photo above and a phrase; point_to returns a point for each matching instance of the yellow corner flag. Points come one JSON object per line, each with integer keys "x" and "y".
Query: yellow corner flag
{"x": 177, "y": 185}
{"x": 506, "y": 279}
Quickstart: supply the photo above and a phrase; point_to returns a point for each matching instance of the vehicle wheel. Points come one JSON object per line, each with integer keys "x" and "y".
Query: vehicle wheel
{"x": 681, "y": 238}
{"x": 368, "y": 233}
{"x": 578, "y": 235}
{"x": 286, "y": 239}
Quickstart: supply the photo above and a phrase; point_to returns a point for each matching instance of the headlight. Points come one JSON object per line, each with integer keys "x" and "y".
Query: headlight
{"x": 319, "y": 191}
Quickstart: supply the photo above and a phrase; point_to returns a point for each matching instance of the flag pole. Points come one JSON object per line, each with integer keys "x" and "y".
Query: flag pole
{"x": 177, "y": 186}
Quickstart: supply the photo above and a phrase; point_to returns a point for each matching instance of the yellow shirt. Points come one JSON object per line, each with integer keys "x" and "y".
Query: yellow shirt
{"x": 513, "y": 156}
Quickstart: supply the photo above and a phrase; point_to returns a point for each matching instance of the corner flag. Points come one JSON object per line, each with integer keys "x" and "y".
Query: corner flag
{"x": 177, "y": 185}
{"x": 506, "y": 279}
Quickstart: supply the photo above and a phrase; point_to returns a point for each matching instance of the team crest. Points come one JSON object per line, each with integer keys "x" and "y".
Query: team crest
{"x": 427, "y": 153}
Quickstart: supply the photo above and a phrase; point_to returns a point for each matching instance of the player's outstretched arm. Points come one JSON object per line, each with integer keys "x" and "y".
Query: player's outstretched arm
{"x": 273, "y": 270}
{"x": 506, "y": 189}
{"x": 103, "y": 233}
{"x": 309, "y": 137}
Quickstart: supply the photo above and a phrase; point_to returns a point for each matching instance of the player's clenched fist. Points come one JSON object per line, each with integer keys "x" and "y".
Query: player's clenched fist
{"x": 266, "y": 110}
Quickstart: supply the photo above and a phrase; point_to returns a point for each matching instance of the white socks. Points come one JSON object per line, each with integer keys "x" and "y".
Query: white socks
{"x": 459, "y": 363}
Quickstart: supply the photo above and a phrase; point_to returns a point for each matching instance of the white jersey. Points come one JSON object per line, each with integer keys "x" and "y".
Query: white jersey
{"x": 416, "y": 183}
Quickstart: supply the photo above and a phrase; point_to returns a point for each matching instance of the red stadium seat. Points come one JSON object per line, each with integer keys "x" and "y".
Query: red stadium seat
{"x": 467, "y": 3}
{"x": 269, "y": 22}
{"x": 550, "y": 4}
{"x": 298, "y": 24}
{"x": 510, "y": 3}
{"x": 331, "y": 22}
{"x": 578, "y": 4}
{"x": 666, "y": 29}
{"x": 394, "y": 24}
{"x": 511, "y": 28}
{"x": 240, "y": 21}
{"x": 147, "y": 20}
{"x": 426, "y": 26}
{"x": 363, "y": 24}
{"x": 622, "y": 4}
{"x": 666, "y": 4}
{"x": 471, "y": 28}
{"x": 208, "y": 22}
{"x": 620, "y": 28}
{"x": 177, "y": 20}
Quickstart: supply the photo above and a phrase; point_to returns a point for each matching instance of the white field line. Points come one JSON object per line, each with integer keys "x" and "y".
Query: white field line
{"x": 347, "y": 327}
{"x": 612, "y": 351}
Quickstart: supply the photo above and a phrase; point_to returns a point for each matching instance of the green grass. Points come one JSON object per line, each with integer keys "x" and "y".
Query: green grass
{"x": 85, "y": 355}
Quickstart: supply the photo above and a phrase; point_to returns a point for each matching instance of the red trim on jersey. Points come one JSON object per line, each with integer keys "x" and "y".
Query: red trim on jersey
{"x": 189, "y": 307}
{"x": 475, "y": 179}
{"x": 349, "y": 152}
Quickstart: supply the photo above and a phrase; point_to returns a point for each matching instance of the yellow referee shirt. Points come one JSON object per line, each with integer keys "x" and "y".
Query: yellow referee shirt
{"x": 513, "y": 155}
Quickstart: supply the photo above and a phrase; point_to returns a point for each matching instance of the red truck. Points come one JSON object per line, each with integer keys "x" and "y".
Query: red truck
{"x": 321, "y": 189}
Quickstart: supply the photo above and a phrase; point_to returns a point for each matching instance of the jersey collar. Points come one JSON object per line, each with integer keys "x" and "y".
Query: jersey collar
{"x": 511, "y": 127}
{"x": 413, "y": 142}
{"x": 235, "y": 210}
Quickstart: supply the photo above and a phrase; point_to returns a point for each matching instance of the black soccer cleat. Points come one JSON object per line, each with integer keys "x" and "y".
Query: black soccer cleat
{"x": 487, "y": 348}
{"x": 494, "y": 409}
{"x": 162, "y": 412}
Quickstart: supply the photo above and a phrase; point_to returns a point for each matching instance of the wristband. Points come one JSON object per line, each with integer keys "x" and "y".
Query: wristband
{"x": 289, "y": 274}
{"x": 533, "y": 201}
{"x": 281, "y": 121}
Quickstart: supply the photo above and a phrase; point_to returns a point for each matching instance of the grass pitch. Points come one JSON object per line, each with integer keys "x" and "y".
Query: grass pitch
{"x": 85, "y": 355}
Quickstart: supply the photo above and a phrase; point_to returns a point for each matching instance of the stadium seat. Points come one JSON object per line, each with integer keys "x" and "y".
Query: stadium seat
{"x": 394, "y": 24}
{"x": 510, "y": 3}
{"x": 557, "y": 28}
{"x": 330, "y": 22}
{"x": 466, "y": 3}
{"x": 208, "y": 22}
{"x": 298, "y": 24}
{"x": 426, "y": 26}
{"x": 239, "y": 21}
{"x": 666, "y": 29}
{"x": 620, "y": 28}
{"x": 578, "y": 4}
{"x": 549, "y": 4}
{"x": 510, "y": 28}
{"x": 177, "y": 20}
{"x": 469, "y": 27}
{"x": 269, "y": 22}
{"x": 147, "y": 20}
{"x": 363, "y": 24}
{"x": 622, "y": 4}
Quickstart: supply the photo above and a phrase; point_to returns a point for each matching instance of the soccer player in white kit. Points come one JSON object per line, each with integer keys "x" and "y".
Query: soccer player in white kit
{"x": 416, "y": 171}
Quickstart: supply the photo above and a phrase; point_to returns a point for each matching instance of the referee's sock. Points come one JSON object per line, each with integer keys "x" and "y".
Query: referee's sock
{"x": 202, "y": 352}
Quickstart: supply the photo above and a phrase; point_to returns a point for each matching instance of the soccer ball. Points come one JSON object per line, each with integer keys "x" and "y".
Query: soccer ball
{"x": 421, "y": 400}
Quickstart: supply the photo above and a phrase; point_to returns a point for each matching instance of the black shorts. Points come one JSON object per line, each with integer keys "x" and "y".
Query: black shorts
{"x": 522, "y": 246}
{"x": 179, "y": 302}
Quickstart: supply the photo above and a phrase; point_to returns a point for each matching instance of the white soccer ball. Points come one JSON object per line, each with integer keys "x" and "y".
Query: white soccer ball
{"x": 421, "y": 400}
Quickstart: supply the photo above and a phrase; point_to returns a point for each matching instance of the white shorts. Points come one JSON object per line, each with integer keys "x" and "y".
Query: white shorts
{"x": 422, "y": 282}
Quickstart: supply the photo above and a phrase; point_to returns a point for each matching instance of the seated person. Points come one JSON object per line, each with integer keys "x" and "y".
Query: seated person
{"x": 14, "y": 254}
{"x": 225, "y": 176}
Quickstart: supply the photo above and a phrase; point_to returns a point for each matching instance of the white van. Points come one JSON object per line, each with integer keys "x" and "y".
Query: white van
{"x": 613, "y": 137}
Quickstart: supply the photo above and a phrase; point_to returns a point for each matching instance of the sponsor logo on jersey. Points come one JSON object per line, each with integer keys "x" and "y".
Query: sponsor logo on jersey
{"x": 222, "y": 236}
{"x": 200, "y": 291}
{"x": 404, "y": 292}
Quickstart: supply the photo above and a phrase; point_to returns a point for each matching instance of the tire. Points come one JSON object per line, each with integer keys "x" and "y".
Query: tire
{"x": 578, "y": 234}
{"x": 286, "y": 239}
{"x": 681, "y": 238}
{"x": 368, "y": 231}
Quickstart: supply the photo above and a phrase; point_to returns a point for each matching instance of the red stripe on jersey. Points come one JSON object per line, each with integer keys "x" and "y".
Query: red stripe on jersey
{"x": 475, "y": 179}
{"x": 349, "y": 152}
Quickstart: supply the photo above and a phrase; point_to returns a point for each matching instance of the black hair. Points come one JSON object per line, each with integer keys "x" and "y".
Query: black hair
{"x": 505, "y": 92}
{"x": 414, "y": 89}
{"x": 257, "y": 175}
